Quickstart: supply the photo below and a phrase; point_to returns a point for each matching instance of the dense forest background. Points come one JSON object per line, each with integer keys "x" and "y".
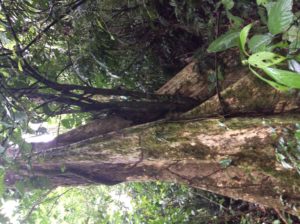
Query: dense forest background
{"x": 64, "y": 63}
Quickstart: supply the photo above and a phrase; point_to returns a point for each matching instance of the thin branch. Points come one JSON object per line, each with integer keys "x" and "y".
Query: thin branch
{"x": 66, "y": 88}
{"x": 38, "y": 202}
{"x": 92, "y": 105}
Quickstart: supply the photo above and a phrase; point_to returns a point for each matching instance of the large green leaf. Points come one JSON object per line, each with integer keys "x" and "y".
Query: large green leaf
{"x": 269, "y": 6}
{"x": 280, "y": 16}
{"x": 265, "y": 59}
{"x": 287, "y": 78}
{"x": 259, "y": 42}
{"x": 243, "y": 38}
{"x": 228, "y": 40}
{"x": 271, "y": 83}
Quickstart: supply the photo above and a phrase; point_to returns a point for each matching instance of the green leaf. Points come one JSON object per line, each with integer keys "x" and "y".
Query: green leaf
{"x": 228, "y": 40}
{"x": 100, "y": 24}
{"x": 46, "y": 109}
{"x": 4, "y": 73}
{"x": 271, "y": 83}
{"x": 261, "y": 2}
{"x": 20, "y": 66}
{"x": 265, "y": 59}
{"x": 268, "y": 6}
{"x": 20, "y": 187}
{"x": 7, "y": 43}
{"x": 297, "y": 135}
{"x": 293, "y": 34}
{"x": 281, "y": 45}
{"x": 5, "y": 124}
{"x": 228, "y": 4}
{"x": 243, "y": 38}
{"x": 287, "y": 78}
{"x": 20, "y": 116}
{"x": 225, "y": 162}
{"x": 294, "y": 46}
{"x": 67, "y": 123}
{"x": 237, "y": 21}
{"x": 280, "y": 16}
{"x": 259, "y": 42}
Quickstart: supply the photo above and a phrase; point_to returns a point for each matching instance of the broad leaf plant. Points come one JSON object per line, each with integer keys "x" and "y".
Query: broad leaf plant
{"x": 274, "y": 52}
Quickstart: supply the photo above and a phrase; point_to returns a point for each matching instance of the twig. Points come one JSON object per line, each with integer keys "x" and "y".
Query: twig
{"x": 283, "y": 219}
{"x": 37, "y": 203}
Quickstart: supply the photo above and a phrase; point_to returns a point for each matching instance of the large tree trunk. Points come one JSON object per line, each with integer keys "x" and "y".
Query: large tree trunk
{"x": 187, "y": 151}
{"x": 233, "y": 156}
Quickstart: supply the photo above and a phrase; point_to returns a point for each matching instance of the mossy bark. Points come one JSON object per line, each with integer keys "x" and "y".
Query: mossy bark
{"x": 192, "y": 83}
{"x": 234, "y": 157}
{"x": 187, "y": 151}
{"x": 248, "y": 96}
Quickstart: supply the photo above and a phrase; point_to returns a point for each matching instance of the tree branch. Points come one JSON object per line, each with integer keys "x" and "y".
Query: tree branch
{"x": 68, "y": 11}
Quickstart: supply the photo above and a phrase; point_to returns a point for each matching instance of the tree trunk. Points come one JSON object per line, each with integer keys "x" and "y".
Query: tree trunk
{"x": 187, "y": 151}
{"x": 233, "y": 155}
{"x": 92, "y": 129}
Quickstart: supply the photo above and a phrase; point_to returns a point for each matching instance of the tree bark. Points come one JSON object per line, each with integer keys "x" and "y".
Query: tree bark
{"x": 92, "y": 129}
{"x": 195, "y": 84}
{"x": 248, "y": 96}
{"x": 186, "y": 151}
{"x": 232, "y": 155}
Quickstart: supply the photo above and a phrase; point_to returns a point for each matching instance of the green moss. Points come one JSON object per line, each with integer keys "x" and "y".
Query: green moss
{"x": 197, "y": 152}
{"x": 169, "y": 141}
{"x": 239, "y": 123}
{"x": 286, "y": 177}
{"x": 243, "y": 95}
{"x": 255, "y": 161}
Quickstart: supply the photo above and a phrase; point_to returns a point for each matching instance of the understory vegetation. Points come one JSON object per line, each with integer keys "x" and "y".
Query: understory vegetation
{"x": 154, "y": 202}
